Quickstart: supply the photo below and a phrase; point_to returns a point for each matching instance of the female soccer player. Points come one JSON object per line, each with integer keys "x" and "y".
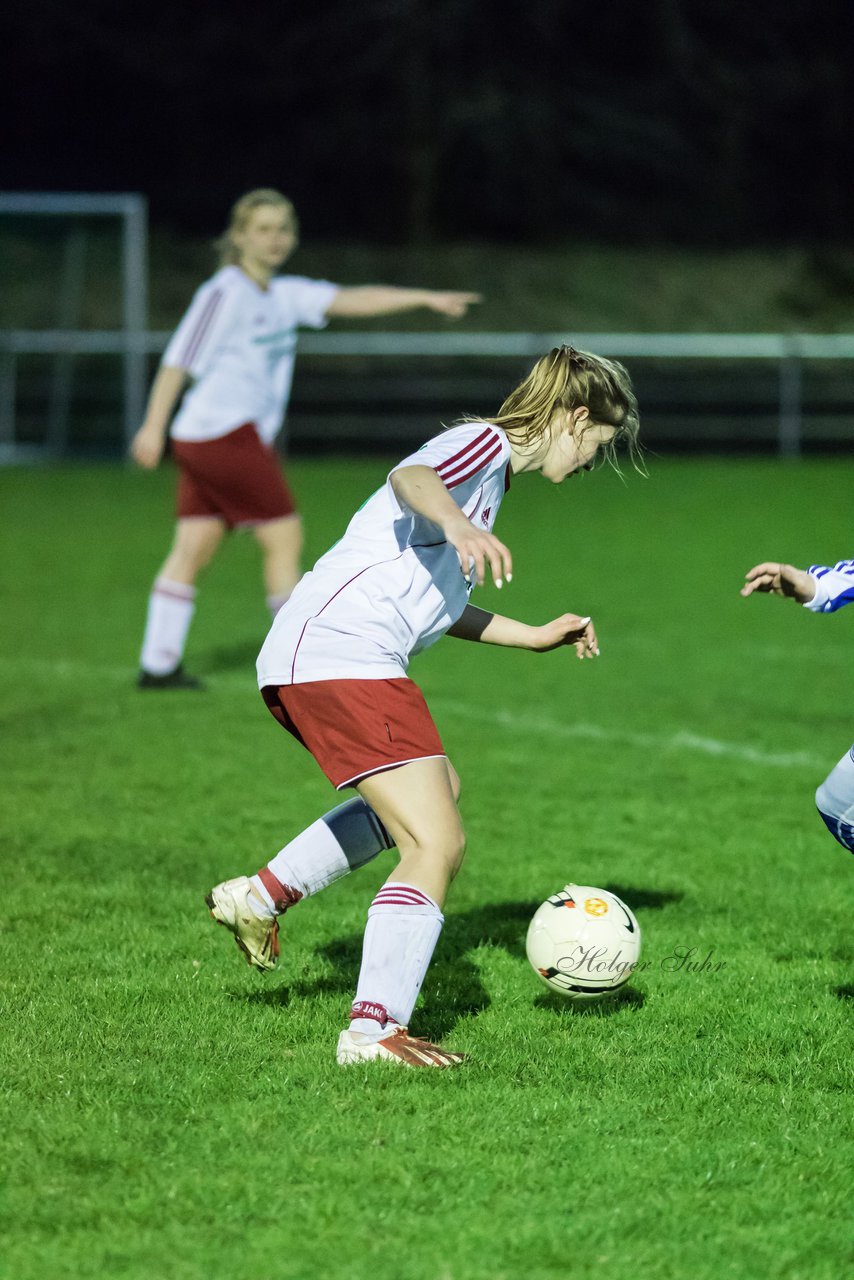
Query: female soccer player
{"x": 237, "y": 343}
{"x": 821, "y": 590}
{"x": 333, "y": 672}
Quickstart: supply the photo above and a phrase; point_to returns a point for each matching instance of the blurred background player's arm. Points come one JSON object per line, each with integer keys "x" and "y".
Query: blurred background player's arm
{"x": 147, "y": 445}
{"x": 820, "y": 588}
{"x": 386, "y": 299}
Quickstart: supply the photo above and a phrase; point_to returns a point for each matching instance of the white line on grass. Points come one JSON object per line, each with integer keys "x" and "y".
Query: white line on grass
{"x": 542, "y": 726}
{"x": 536, "y": 726}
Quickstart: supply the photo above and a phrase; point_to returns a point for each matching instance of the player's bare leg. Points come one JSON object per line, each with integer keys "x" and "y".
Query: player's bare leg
{"x": 281, "y": 544}
{"x": 416, "y": 803}
{"x": 196, "y": 541}
{"x": 172, "y": 603}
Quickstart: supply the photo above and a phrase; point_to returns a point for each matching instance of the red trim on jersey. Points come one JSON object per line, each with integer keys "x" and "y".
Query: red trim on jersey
{"x": 477, "y": 465}
{"x": 197, "y": 337}
{"x": 465, "y": 449}
{"x": 463, "y": 460}
{"x": 332, "y": 597}
{"x": 447, "y": 469}
{"x": 507, "y": 478}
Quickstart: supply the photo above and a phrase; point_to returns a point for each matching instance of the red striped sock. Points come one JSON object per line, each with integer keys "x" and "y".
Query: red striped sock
{"x": 403, "y": 928}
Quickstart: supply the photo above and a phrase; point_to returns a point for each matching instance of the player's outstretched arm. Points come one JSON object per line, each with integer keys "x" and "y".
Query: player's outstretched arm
{"x": 420, "y": 489}
{"x": 386, "y": 299}
{"x": 146, "y": 448}
{"x": 779, "y": 580}
{"x": 494, "y": 628}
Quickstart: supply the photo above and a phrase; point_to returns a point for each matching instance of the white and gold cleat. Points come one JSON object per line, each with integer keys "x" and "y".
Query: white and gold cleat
{"x": 256, "y": 936}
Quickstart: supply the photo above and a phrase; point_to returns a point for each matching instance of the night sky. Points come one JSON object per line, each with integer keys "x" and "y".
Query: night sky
{"x": 405, "y": 122}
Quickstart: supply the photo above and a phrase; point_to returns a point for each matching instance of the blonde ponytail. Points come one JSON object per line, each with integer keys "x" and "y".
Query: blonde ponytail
{"x": 566, "y": 379}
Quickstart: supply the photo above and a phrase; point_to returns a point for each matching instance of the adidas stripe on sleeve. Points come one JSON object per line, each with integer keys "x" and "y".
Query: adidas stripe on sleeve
{"x": 465, "y": 458}
{"x": 834, "y": 586}
{"x": 200, "y": 333}
{"x": 471, "y": 458}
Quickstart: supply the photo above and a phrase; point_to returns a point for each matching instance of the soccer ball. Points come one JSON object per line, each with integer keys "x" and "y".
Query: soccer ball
{"x": 583, "y": 942}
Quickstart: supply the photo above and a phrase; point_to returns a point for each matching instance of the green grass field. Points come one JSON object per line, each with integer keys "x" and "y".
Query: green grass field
{"x": 168, "y": 1112}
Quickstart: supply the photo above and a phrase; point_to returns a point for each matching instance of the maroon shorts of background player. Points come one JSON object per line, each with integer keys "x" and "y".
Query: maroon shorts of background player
{"x": 357, "y": 727}
{"x": 237, "y": 479}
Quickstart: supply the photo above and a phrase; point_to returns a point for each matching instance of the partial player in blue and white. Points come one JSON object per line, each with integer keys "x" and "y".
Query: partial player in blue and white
{"x": 833, "y": 587}
{"x": 821, "y": 589}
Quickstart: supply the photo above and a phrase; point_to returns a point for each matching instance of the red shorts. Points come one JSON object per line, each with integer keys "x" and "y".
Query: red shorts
{"x": 236, "y": 478}
{"x": 357, "y": 727}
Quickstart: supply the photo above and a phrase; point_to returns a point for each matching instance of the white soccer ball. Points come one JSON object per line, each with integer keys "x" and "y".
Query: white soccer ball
{"x": 583, "y": 942}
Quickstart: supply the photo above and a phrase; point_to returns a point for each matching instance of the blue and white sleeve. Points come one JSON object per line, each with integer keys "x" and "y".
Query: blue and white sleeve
{"x": 834, "y": 587}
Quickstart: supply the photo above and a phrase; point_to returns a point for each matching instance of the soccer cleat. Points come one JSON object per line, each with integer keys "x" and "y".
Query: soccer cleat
{"x": 397, "y": 1046}
{"x": 256, "y": 936}
{"x": 177, "y": 679}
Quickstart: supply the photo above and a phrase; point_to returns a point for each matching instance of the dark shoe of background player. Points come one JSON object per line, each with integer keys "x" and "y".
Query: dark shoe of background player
{"x": 177, "y": 679}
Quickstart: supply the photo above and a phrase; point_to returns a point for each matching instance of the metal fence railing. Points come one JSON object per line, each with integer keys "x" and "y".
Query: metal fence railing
{"x": 789, "y": 353}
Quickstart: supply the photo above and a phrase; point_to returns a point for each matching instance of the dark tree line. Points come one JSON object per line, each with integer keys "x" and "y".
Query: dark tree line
{"x": 419, "y": 120}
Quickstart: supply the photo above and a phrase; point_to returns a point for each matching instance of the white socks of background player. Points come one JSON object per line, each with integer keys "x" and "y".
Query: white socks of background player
{"x": 340, "y": 841}
{"x": 170, "y": 611}
{"x": 403, "y": 928}
{"x": 835, "y": 801}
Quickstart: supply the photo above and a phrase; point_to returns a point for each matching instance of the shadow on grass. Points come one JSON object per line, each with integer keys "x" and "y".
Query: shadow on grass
{"x": 624, "y": 998}
{"x": 844, "y": 993}
{"x": 453, "y": 988}
{"x": 239, "y": 656}
{"x": 275, "y": 997}
{"x": 644, "y": 899}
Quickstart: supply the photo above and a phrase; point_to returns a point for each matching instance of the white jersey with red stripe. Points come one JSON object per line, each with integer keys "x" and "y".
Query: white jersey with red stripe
{"x": 393, "y": 584}
{"x": 238, "y": 341}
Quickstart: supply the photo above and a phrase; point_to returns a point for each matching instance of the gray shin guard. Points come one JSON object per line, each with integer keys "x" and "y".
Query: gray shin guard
{"x": 358, "y": 831}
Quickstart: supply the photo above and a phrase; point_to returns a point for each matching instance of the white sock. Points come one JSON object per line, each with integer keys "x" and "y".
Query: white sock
{"x": 835, "y": 801}
{"x": 170, "y": 612}
{"x": 339, "y": 842}
{"x": 403, "y": 928}
{"x": 274, "y": 603}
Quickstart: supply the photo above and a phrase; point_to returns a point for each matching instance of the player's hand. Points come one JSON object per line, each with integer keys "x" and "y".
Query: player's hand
{"x": 779, "y": 580}
{"x": 477, "y": 548}
{"x": 452, "y": 305}
{"x": 567, "y": 629}
{"x": 146, "y": 448}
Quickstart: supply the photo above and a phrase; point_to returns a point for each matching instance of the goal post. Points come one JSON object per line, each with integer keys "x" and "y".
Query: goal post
{"x": 63, "y": 341}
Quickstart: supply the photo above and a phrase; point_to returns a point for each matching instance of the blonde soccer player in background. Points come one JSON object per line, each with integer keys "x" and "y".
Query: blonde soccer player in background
{"x": 236, "y": 346}
{"x": 821, "y": 589}
{"x": 333, "y": 671}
